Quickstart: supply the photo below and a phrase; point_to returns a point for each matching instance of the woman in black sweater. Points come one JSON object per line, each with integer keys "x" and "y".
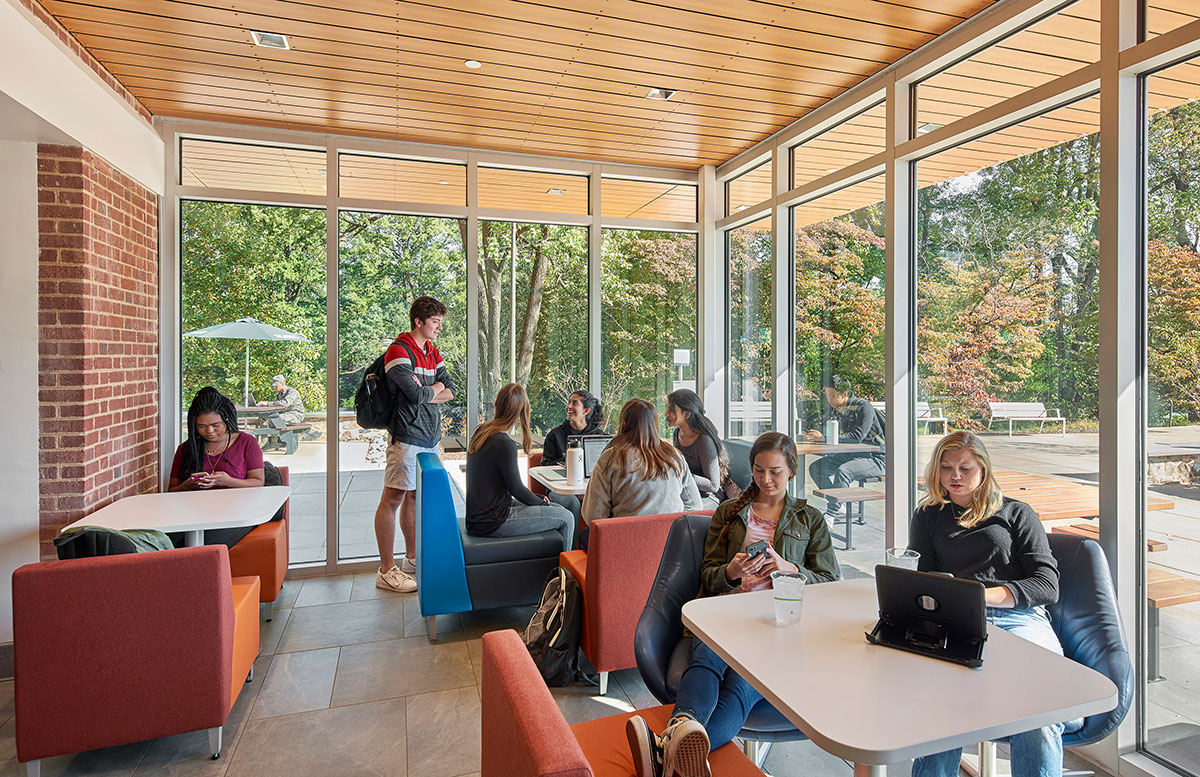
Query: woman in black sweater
{"x": 584, "y": 416}
{"x": 498, "y": 503}
{"x": 964, "y": 526}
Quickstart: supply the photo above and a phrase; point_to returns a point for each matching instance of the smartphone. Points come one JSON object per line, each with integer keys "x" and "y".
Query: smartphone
{"x": 757, "y": 549}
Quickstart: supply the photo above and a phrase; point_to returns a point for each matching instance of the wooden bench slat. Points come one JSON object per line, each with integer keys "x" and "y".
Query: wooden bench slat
{"x": 1093, "y": 533}
{"x": 1168, "y": 593}
{"x": 851, "y": 494}
{"x": 1157, "y": 575}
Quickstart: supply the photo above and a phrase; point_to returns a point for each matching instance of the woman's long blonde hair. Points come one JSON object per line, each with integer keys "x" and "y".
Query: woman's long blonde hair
{"x": 512, "y": 407}
{"x": 987, "y": 498}
{"x": 637, "y": 436}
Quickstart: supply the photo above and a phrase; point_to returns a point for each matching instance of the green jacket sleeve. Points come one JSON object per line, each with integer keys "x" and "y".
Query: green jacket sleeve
{"x": 716, "y": 555}
{"x": 820, "y": 562}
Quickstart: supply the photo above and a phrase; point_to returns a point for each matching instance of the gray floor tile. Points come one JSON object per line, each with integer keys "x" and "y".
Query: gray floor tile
{"x": 297, "y": 682}
{"x": 8, "y": 740}
{"x": 443, "y": 733}
{"x": 475, "y": 649}
{"x": 360, "y": 501}
{"x": 634, "y": 688}
{"x": 363, "y": 740}
{"x": 804, "y": 758}
{"x": 7, "y": 707}
{"x": 476, "y": 624}
{"x": 288, "y": 593}
{"x": 325, "y": 590}
{"x": 269, "y": 632}
{"x": 119, "y": 761}
{"x": 401, "y": 667}
{"x": 449, "y": 627}
{"x": 581, "y": 702}
{"x": 330, "y": 625}
{"x": 364, "y": 588}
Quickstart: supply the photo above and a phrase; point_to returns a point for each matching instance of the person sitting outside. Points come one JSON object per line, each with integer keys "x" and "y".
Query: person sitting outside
{"x": 697, "y": 439}
{"x": 216, "y": 455}
{"x": 857, "y": 422}
{"x": 713, "y": 701}
{"x": 498, "y": 502}
{"x": 639, "y": 473}
{"x": 287, "y": 398}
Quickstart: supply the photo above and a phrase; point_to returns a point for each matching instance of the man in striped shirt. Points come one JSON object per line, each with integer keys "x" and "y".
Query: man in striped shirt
{"x": 418, "y": 378}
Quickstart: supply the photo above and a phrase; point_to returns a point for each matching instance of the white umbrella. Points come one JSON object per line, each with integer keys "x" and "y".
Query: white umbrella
{"x": 246, "y": 329}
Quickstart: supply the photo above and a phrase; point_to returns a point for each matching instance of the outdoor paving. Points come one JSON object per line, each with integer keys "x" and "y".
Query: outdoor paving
{"x": 1173, "y": 704}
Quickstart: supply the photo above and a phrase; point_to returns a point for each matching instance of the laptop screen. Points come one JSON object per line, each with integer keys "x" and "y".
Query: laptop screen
{"x": 593, "y": 445}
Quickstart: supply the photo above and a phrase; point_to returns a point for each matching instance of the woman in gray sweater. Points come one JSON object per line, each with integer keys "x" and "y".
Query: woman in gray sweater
{"x": 639, "y": 473}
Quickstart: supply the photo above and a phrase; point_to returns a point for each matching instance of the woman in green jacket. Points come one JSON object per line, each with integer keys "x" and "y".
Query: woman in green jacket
{"x": 713, "y": 701}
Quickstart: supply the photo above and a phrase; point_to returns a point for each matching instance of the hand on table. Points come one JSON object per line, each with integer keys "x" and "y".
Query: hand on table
{"x": 813, "y": 434}
{"x": 260, "y": 403}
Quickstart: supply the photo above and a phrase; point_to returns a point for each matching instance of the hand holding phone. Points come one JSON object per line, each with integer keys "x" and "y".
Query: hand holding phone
{"x": 757, "y": 549}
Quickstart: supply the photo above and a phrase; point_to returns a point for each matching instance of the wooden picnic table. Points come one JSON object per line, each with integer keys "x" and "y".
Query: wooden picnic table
{"x": 1057, "y": 499}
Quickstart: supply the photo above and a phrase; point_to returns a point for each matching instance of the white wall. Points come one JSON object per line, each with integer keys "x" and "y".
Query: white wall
{"x": 18, "y": 366}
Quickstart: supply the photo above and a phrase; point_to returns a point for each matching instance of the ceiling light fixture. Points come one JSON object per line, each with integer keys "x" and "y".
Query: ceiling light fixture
{"x": 474, "y": 64}
{"x": 929, "y": 127}
{"x": 660, "y": 94}
{"x": 556, "y": 191}
{"x": 443, "y": 183}
{"x": 742, "y": 207}
{"x": 270, "y": 40}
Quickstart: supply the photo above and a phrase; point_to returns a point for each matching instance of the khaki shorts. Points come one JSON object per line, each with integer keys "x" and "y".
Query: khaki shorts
{"x": 401, "y": 471}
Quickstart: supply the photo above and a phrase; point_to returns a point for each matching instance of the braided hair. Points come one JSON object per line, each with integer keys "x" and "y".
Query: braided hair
{"x": 771, "y": 441}
{"x": 207, "y": 400}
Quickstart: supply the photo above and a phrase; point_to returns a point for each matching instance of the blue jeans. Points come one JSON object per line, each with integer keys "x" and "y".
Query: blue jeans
{"x": 531, "y": 519}
{"x": 714, "y": 695}
{"x": 1036, "y": 753}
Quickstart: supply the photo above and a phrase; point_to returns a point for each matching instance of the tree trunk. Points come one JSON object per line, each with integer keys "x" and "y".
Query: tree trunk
{"x": 533, "y": 308}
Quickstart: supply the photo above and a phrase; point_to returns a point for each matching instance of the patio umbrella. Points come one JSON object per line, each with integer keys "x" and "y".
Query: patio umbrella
{"x": 246, "y": 329}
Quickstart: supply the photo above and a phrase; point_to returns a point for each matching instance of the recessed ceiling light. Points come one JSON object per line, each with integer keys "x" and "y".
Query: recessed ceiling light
{"x": 660, "y": 94}
{"x": 930, "y": 127}
{"x": 556, "y": 191}
{"x": 271, "y": 40}
{"x": 474, "y": 64}
{"x": 443, "y": 183}
{"x": 742, "y": 207}
{"x": 831, "y": 169}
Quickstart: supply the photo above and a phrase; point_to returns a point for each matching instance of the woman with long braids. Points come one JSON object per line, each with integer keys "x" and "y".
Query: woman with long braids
{"x": 697, "y": 439}
{"x": 713, "y": 701}
{"x": 216, "y": 455}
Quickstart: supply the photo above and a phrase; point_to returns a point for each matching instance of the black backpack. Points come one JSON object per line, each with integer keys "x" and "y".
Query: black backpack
{"x": 552, "y": 635}
{"x": 374, "y": 403}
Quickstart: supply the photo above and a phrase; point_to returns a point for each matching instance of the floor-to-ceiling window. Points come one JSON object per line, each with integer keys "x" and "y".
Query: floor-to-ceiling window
{"x": 749, "y": 259}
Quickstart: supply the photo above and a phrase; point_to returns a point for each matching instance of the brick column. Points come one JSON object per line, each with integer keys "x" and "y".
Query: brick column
{"x": 98, "y": 336}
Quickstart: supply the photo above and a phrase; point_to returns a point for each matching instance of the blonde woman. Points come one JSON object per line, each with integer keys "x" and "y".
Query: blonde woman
{"x": 639, "y": 473}
{"x": 498, "y": 502}
{"x": 966, "y": 527}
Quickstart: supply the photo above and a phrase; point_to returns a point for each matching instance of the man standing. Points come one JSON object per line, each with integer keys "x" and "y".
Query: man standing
{"x": 287, "y": 398}
{"x": 418, "y": 379}
{"x": 858, "y": 422}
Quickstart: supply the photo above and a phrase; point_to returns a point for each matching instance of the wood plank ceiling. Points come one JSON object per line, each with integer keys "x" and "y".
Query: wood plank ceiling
{"x": 557, "y": 78}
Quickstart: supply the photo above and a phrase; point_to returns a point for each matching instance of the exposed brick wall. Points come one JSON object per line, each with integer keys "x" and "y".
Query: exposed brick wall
{"x": 98, "y": 336}
{"x": 80, "y": 51}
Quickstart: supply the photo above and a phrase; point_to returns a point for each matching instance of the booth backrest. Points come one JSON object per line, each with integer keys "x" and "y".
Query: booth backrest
{"x": 441, "y": 568}
{"x": 739, "y": 461}
{"x": 118, "y": 649}
{"x": 523, "y": 732}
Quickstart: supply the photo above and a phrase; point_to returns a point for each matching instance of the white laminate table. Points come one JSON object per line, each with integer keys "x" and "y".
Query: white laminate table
{"x": 190, "y": 511}
{"x": 875, "y": 705}
{"x": 549, "y": 477}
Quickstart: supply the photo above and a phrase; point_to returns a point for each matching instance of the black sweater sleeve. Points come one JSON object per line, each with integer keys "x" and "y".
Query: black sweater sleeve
{"x": 1031, "y": 553}
{"x": 512, "y": 473}
{"x": 554, "y": 448}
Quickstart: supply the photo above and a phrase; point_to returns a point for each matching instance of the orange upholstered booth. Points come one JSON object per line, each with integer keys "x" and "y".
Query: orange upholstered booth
{"x": 616, "y": 574}
{"x": 263, "y": 553}
{"x": 525, "y": 735}
{"x": 118, "y": 649}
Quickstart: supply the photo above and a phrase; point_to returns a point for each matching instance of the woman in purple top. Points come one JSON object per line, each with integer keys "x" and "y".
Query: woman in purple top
{"x": 216, "y": 455}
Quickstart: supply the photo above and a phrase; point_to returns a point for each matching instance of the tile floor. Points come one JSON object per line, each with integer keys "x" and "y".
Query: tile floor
{"x": 347, "y": 684}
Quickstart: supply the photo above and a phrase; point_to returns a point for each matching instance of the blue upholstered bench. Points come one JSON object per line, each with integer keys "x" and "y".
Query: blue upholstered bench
{"x": 457, "y": 572}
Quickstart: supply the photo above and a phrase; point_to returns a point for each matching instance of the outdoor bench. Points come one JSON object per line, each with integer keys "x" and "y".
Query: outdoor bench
{"x": 1023, "y": 411}
{"x": 287, "y": 435}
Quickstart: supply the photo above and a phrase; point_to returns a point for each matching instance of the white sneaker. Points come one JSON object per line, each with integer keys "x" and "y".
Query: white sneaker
{"x": 408, "y": 565}
{"x": 685, "y": 749}
{"x": 644, "y": 747}
{"x": 395, "y": 580}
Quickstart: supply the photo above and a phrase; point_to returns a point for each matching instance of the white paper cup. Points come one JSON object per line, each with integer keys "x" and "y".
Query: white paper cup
{"x": 901, "y": 557}
{"x": 789, "y": 597}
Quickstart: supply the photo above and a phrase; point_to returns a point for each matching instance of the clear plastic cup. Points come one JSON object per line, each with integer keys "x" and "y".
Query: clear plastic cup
{"x": 901, "y": 557}
{"x": 789, "y": 597}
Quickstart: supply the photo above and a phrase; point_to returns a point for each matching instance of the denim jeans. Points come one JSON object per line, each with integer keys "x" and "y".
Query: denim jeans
{"x": 714, "y": 695}
{"x": 531, "y": 519}
{"x": 1036, "y": 753}
{"x": 841, "y": 470}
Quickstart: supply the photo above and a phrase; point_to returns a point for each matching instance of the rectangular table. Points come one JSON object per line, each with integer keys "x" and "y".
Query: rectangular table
{"x": 874, "y": 705}
{"x": 549, "y": 478}
{"x": 190, "y": 511}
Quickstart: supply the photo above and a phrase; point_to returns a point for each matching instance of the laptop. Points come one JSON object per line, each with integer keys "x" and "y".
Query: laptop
{"x": 931, "y": 614}
{"x": 593, "y": 445}
{"x": 253, "y": 399}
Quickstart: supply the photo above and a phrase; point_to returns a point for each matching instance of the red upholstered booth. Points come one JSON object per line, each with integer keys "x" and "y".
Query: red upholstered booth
{"x": 525, "y": 735}
{"x": 263, "y": 553}
{"x": 535, "y": 459}
{"x": 119, "y": 649}
{"x": 616, "y": 574}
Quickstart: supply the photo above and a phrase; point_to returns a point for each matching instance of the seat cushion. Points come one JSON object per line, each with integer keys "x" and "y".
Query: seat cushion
{"x": 263, "y": 553}
{"x": 607, "y": 750}
{"x": 493, "y": 550}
